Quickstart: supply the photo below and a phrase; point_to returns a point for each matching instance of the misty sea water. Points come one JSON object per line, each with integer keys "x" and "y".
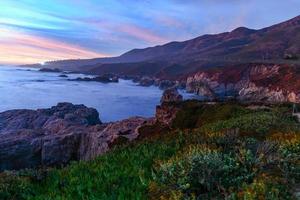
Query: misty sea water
{"x": 23, "y": 88}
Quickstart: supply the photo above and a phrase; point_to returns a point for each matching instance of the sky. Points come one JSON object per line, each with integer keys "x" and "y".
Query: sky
{"x": 35, "y": 31}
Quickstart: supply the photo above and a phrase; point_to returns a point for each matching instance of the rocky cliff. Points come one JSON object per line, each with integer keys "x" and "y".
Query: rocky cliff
{"x": 252, "y": 82}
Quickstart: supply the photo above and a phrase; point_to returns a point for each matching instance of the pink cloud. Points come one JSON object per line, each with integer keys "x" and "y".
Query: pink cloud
{"x": 141, "y": 33}
{"x": 129, "y": 29}
{"x": 19, "y": 48}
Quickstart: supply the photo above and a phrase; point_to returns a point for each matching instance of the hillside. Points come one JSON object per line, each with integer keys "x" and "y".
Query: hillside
{"x": 242, "y": 45}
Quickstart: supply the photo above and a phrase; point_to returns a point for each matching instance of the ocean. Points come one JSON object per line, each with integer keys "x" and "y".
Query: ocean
{"x": 23, "y": 88}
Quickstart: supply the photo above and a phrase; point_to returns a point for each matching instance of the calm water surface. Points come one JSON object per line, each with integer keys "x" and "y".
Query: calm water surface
{"x": 21, "y": 88}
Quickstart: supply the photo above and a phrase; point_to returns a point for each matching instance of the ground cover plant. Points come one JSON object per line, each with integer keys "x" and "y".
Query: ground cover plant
{"x": 221, "y": 151}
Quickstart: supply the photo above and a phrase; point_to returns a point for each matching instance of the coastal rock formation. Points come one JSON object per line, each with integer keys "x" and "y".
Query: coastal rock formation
{"x": 55, "y": 136}
{"x": 100, "y": 140}
{"x": 146, "y": 81}
{"x": 255, "y": 82}
{"x": 165, "y": 84}
{"x": 161, "y": 83}
{"x": 166, "y": 112}
{"x": 171, "y": 95}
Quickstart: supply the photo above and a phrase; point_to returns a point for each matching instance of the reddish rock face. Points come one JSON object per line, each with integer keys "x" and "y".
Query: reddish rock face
{"x": 253, "y": 82}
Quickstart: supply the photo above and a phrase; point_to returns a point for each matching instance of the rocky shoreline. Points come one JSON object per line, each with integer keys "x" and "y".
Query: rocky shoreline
{"x": 65, "y": 132}
{"x": 55, "y": 136}
{"x": 246, "y": 83}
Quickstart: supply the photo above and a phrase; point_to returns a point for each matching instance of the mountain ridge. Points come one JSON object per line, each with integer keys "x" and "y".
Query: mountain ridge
{"x": 241, "y": 45}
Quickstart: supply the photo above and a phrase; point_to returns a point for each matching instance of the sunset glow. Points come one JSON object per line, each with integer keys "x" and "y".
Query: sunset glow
{"x": 34, "y": 31}
{"x": 21, "y": 48}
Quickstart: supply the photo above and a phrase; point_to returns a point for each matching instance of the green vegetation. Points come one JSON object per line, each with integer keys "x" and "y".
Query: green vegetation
{"x": 222, "y": 151}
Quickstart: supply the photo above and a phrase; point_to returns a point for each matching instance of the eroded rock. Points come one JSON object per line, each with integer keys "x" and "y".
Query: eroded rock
{"x": 58, "y": 135}
{"x": 171, "y": 95}
{"x": 254, "y": 83}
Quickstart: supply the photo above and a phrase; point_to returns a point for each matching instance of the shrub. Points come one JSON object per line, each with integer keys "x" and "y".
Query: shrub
{"x": 203, "y": 171}
{"x": 263, "y": 187}
{"x": 289, "y": 149}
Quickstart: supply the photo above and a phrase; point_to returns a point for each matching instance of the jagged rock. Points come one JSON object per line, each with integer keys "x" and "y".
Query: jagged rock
{"x": 201, "y": 88}
{"x": 171, "y": 95}
{"x": 55, "y": 136}
{"x": 257, "y": 82}
{"x": 99, "y": 142}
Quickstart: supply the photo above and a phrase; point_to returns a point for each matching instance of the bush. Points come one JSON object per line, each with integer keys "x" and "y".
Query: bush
{"x": 289, "y": 149}
{"x": 202, "y": 171}
{"x": 263, "y": 187}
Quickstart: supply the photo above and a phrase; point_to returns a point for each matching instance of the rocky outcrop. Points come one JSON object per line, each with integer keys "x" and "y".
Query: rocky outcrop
{"x": 260, "y": 94}
{"x": 101, "y": 140}
{"x": 255, "y": 82}
{"x": 166, "y": 112}
{"x": 171, "y": 95}
{"x": 165, "y": 84}
{"x": 146, "y": 81}
{"x": 55, "y": 136}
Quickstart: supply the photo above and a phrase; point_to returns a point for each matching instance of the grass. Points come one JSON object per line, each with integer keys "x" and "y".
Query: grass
{"x": 213, "y": 152}
{"x": 123, "y": 173}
